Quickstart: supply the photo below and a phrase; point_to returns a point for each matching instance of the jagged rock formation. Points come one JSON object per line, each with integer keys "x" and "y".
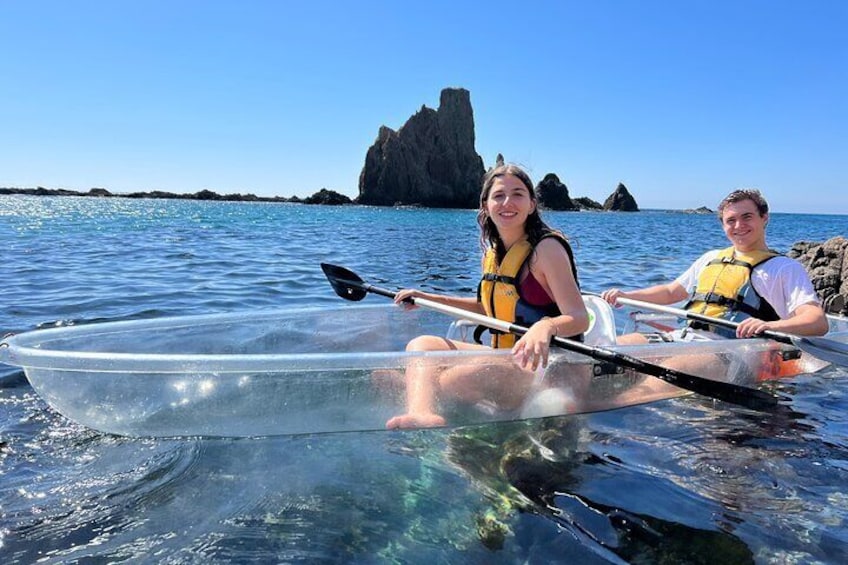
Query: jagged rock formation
{"x": 828, "y": 268}
{"x": 621, "y": 201}
{"x": 553, "y": 194}
{"x": 431, "y": 161}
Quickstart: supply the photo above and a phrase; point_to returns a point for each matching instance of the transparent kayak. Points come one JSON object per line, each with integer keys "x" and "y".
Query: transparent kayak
{"x": 320, "y": 370}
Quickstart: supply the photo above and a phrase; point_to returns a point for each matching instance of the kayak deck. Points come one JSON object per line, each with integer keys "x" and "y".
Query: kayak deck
{"x": 319, "y": 370}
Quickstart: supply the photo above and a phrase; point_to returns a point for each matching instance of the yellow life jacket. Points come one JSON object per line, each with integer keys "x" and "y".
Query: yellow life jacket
{"x": 724, "y": 288}
{"x": 499, "y": 294}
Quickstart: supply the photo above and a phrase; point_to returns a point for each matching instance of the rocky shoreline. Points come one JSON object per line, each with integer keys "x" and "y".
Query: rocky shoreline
{"x": 323, "y": 196}
{"x": 828, "y": 269}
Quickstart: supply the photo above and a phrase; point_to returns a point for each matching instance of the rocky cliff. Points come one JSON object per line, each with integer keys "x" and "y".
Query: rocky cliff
{"x": 430, "y": 161}
{"x": 828, "y": 268}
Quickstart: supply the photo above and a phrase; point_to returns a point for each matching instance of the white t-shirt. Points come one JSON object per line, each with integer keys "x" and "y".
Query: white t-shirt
{"x": 782, "y": 281}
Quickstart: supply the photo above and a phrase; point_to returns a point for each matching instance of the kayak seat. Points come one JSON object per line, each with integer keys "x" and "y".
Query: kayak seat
{"x": 601, "y": 324}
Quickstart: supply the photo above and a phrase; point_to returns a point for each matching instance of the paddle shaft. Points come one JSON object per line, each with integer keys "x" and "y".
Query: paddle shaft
{"x": 736, "y": 394}
{"x": 680, "y": 313}
{"x": 830, "y": 350}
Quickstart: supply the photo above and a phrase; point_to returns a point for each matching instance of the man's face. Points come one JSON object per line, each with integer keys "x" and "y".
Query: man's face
{"x": 744, "y": 226}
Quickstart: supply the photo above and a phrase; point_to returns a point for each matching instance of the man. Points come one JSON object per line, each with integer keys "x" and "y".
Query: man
{"x": 745, "y": 283}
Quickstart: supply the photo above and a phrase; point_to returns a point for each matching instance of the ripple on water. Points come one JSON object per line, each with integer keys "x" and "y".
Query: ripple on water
{"x": 70, "y": 489}
{"x": 645, "y": 484}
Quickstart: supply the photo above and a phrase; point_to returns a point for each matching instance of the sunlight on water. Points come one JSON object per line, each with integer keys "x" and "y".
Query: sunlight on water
{"x": 664, "y": 482}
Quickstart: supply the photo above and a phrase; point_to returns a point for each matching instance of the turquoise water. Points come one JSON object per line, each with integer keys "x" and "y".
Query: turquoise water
{"x": 682, "y": 480}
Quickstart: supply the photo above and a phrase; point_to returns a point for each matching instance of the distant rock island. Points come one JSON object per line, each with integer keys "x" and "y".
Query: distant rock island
{"x": 323, "y": 196}
{"x": 621, "y": 200}
{"x": 553, "y": 194}
{"x": 701, "y": 210}
{"x": 431, "y": 161}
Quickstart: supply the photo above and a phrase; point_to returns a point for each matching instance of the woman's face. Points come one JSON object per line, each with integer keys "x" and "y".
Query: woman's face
{"x": 509, "y": 203}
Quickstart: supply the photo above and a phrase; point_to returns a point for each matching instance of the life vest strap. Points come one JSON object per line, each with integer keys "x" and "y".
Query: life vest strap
{"x": 730, "y": 303}
{"x": 734, "y": 261}
{"x": 720, "y": 330}
{"x": 494, "y": 277}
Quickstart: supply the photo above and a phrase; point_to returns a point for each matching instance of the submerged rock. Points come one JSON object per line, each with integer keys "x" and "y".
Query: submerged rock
{"x": 544, "y": 468}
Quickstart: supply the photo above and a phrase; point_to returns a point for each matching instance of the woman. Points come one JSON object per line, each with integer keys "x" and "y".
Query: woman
{"x": 521, "y": 254}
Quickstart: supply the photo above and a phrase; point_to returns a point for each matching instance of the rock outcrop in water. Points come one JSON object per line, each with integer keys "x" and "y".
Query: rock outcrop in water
{"x": 586, "y": 203}
{"x": 553, "y": 194}
{"x": 621, "y": 200}
{"x": 327, "y": 197}
{"x": 430, "y": 161}
{"x": 828, "y": 268}
{"x": 702, "y": 210}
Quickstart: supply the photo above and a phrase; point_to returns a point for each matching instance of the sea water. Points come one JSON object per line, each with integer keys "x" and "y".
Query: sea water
{"x": 685, "y": 480}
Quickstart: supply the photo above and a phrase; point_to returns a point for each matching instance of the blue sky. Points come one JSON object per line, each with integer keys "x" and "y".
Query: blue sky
{"x": 680, "y": 101}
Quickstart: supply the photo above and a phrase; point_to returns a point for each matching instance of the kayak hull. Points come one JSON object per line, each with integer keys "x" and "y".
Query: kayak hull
{"x": 319, "y": 370}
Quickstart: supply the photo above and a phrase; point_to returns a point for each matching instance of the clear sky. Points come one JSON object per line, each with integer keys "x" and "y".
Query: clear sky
{"x": 680, "y": 101}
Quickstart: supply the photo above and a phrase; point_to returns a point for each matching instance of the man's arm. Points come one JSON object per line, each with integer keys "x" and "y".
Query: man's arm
{"x": 660, "y": 294}
{"x": 792, "y": 294}
{"x": 807, "y": 319}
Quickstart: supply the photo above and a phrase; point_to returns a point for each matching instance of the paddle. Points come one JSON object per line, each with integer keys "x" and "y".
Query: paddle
{"x": 822, "y": 348}
{"x": 350, "y": 286}
{"x": 836, "y": 318}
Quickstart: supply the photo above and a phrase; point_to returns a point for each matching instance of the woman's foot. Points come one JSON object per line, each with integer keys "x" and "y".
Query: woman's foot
{"x": 407, "y": 421}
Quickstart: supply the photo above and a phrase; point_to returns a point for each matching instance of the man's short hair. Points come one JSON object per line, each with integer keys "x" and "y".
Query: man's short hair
{"x": 751, "y": 194}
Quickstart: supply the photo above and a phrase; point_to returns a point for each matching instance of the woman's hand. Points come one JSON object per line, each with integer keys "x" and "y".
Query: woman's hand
{"x": 531, "y": 351}
{"x": 403, "y": 298}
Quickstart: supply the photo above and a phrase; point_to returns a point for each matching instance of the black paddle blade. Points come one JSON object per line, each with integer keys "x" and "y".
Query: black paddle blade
{"x": 346, "y": 283}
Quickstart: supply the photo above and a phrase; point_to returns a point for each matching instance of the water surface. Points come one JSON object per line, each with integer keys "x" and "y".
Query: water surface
{"x": 685, "y": 480}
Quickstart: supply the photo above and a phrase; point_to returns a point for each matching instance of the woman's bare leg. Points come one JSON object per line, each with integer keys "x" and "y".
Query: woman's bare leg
{"x": 422, "y": 387}
{"x": 503, "y": 383}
